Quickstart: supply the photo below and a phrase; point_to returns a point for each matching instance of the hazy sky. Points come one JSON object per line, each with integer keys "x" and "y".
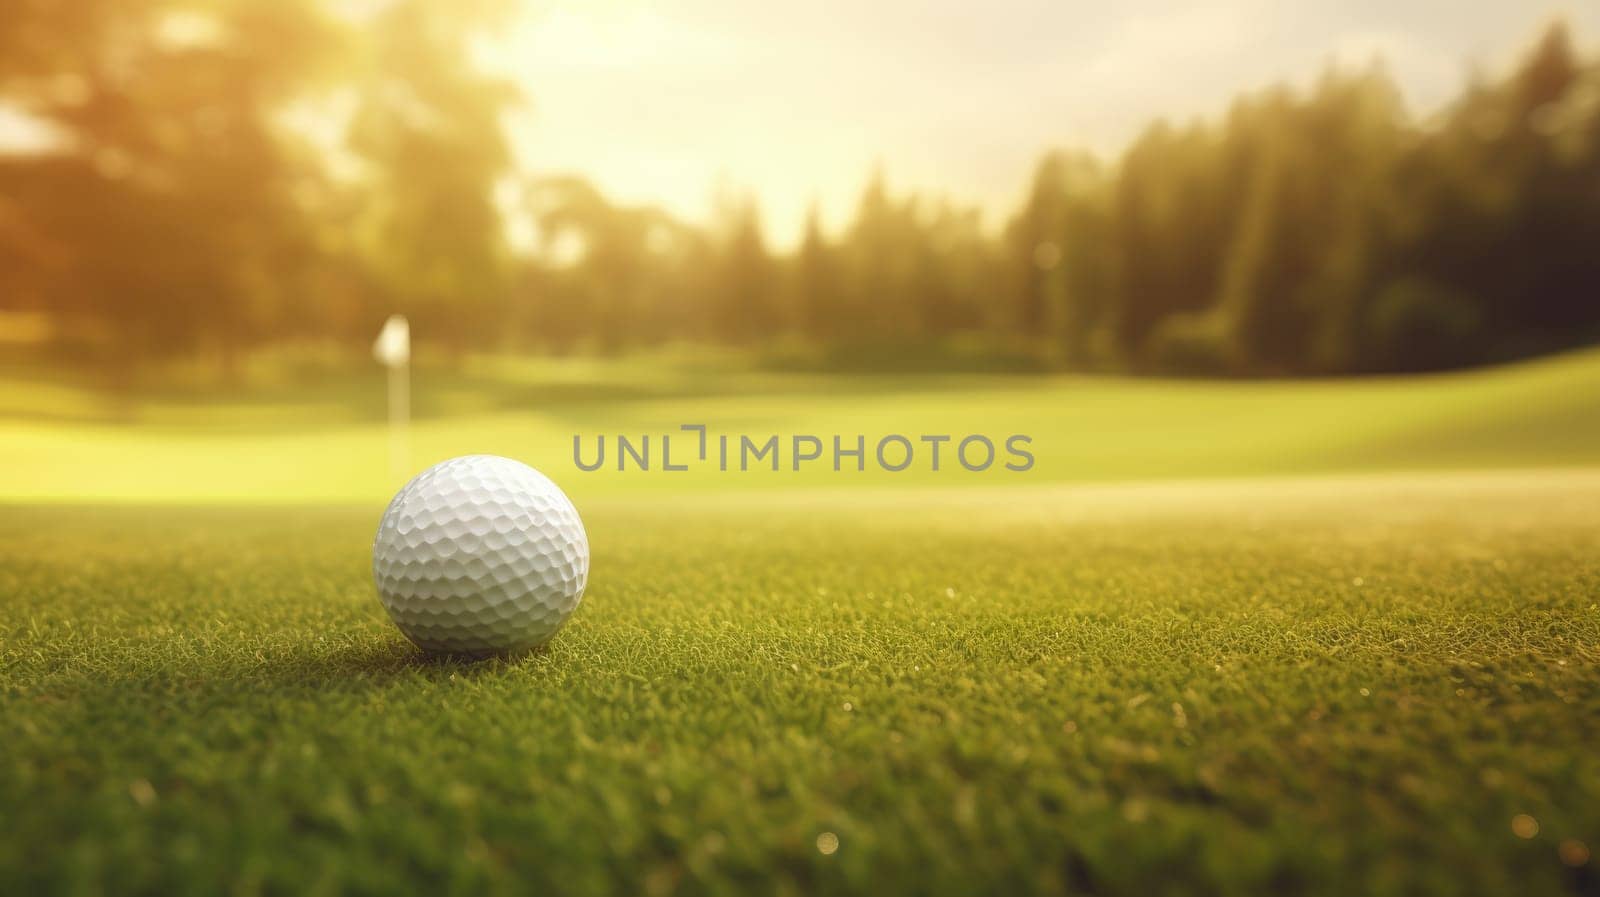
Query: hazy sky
{"x": 664, "y": 102}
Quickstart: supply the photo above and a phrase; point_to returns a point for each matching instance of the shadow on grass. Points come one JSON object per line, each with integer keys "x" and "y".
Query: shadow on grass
{"x": 383, "y": 663}
{"x": 181, "y": 678}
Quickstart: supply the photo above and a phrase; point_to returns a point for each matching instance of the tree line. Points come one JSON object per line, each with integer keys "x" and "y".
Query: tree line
{"x": 225, "y": 176}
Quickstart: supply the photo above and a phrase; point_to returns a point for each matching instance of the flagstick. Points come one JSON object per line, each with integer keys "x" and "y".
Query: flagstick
{"x": 400, "y": 420}
{"x": 392, "y": 349}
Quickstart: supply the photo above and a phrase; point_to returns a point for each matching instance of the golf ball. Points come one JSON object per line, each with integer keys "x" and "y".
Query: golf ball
{"x": 480, "y": 555}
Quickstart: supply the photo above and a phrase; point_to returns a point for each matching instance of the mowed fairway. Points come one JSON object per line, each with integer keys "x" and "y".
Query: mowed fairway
{"x": 324, "y": 440}
{"x": 1348, "y": 685}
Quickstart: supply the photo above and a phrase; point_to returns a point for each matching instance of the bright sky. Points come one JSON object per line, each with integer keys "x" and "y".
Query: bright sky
{"x": 665, "y": 103}
{"x": 669, "y": 103}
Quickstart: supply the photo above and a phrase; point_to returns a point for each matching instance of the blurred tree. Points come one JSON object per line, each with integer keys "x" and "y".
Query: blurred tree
{"x": 166, "y": 215}
{"x": 618, "y": 276}
{"x": 954, "y": 273}
{"x": 1356, "y": 130}
{"x": 743, "y": 278}
{"x": 880, "y": 256}
{"x": 429, "y": 125}
{"x": 819, "y": 285}
{"x": 1296, "y": 268}
{"x": 223, "y": 174}
{"x": 1174, "y": 209}
{"x": 1060, "y": 251}
{"x": 1498, "y": 211}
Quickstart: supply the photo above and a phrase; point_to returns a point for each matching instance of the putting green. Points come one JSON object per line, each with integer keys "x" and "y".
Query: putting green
{"x": 326, "y": 441}
{"x": 1371, "y": 685}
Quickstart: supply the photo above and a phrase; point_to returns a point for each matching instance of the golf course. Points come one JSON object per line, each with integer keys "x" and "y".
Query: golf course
{"x": 808, "y": 450}
{"x": 1326, "y": 636}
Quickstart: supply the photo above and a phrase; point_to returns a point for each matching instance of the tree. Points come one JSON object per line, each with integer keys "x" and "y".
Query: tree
{"x": 744, "y": 278}
{"x": 165, "y": 220}
{"x": 1297, "y": 267}
{"x": 819, "y": 283}
{"x": 429, "y": 127}
{"x": 621, "y": 276}
{"x": 1060, "y": 255}
{"x": 1174, "y": 207}
{"x": 1497, "y": 218}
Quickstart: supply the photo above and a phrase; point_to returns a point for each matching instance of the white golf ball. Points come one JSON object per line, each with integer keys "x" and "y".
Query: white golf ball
{"x": 480, "y": 555}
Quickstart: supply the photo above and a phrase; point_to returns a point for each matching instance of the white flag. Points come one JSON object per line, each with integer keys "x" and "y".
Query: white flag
{"x": 393, "y": 346}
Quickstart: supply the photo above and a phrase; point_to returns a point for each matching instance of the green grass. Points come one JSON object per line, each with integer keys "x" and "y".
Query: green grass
{"x": 1339, "y": 686}
{"x": 1120, "y": 673}
{"x": 324, "y": 440}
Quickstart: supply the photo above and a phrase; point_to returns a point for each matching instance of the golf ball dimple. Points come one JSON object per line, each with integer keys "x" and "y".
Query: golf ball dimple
{"x": 480, "y": 555}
